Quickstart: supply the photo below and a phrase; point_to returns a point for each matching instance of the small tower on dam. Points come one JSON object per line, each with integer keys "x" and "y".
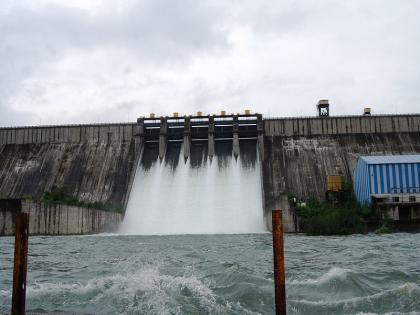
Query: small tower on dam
{"x": 199, "y": 128}
{"x": 323, "y": 108}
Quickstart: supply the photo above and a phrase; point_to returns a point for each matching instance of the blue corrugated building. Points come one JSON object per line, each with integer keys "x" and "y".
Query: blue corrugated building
{"x": 387, "y": 176}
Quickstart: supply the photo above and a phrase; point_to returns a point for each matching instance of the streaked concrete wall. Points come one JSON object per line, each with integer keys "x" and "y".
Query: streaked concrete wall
{"x": 101, "y": 133}
{"x": 290, "y": 218}
{"x": 88, "y": 171}
{"x": 93, "y": 163}
{"x": 58, "y": 219}
{"x": 298, "y": 165}
{"x": 273, "y": 127}
{"x": 341, "y": 125}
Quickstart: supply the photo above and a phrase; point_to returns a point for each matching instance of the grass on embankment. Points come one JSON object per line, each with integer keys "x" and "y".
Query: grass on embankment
{"x": 321, "y": 218}
{"x": 345, "y": 216}
{"x": 58, "y": 195}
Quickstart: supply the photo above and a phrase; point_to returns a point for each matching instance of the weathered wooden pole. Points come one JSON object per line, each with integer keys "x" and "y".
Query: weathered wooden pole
{"x": 278, "y": 252}
{"x": 20, "y": 264}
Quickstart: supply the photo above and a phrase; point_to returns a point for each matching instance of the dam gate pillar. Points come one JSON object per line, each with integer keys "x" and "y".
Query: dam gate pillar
{"x": 139, "y": 134}
{"x": 163, "y": 137}
{"x": 187, "y": 137}
{"x": 211, "y": 137}
{"x": 235, "y": 130}
{"x": 260, "y": 136}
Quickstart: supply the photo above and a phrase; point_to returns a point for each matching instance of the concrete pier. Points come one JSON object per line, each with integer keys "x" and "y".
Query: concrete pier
{"x": 163, "y": 137}
{"x": 139, "y": 140}
{"x": 211, "y": 137}
{"x": 290, "y": 219}
{"x": 235, "y": 130}
{"x": 187, "y": 137}
{"x": 260, "y": 135}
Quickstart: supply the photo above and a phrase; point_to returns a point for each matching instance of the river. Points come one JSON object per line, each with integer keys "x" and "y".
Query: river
{"x": 216, "y": 274}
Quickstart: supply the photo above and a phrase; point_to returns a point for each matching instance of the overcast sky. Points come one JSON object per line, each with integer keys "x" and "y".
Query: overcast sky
{"x": 83, "y": 61}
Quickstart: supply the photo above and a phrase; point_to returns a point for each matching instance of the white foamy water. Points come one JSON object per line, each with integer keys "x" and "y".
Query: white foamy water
{"x": 218, "y": 196}
{"x": 335, "y": 273}
{"x": 216, "y": 274}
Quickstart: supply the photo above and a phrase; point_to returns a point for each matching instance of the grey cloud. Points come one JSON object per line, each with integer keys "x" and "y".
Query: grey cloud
{"x": 151, "y": 31}
{"x": 10, "y": 117}
{"x": 358, "y": 52}
{"x": 148, "y": 28}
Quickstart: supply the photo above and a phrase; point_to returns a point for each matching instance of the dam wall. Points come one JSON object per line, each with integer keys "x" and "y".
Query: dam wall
{"x": 97, "y": 163}
{"x": 91, "y": 163}
{"x": 96, "y": 133}
{"x": 338, "y": 125}
{"x": 301, "y": 152}
{"x": 56, "y": 219}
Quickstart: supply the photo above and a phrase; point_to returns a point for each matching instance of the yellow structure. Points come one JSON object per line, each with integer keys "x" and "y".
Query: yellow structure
{"x": 199, "y": 114}
{"x": 223, "y": 113}
{"x": 247, "y": 112}
{"x": 152, "y": 115}
{"x": 176, "y": 114}
{"x": 334, "y": 183}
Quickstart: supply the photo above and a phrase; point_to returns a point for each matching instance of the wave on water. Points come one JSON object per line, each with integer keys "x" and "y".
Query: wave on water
{"x": 390, "y": 313}
{"x": 147, "y": 291}
{"x": 405, "y": 289}
{"x": 5, "y": 293}
{"x": 97, "y": 235}
{"x": 335, "y": 273}
{"x": 405, "y": 296}
{"x": 216, "y": 274}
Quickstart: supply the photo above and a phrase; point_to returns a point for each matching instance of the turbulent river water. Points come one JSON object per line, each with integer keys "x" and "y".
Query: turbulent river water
{"x": 216, "y": 274}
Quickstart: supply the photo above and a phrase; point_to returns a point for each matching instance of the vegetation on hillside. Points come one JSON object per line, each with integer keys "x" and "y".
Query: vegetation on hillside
{"x": 58, "y": 195}
{"x": 321, "y": 218}
{"x": 342, "y": 217}
{"x": 384, "y": 228}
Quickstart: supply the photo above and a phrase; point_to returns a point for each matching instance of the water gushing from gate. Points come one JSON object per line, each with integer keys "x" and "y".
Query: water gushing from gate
{"x": 197, "y": 196}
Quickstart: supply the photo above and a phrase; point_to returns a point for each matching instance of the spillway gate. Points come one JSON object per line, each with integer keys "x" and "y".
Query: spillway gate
{"x": 208, "y": 129}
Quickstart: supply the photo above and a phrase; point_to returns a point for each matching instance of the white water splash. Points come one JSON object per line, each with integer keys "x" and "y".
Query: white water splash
{"x": 204, "y": 200}
{"x": 146, "y": 290}
{"x": 335, "y": 273}
{"x": 405, "y": 290}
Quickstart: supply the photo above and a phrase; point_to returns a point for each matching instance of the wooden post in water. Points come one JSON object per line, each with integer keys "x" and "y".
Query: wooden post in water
{"x": 20, "y": 264}
{"x": 278, "y": 251}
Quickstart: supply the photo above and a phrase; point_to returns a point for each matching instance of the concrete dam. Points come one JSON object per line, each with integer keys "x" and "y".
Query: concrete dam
{"x": 256, "y": 164}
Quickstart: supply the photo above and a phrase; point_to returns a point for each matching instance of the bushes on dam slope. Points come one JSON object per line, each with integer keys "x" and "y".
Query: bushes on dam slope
{"x": 320, "y": 218}
{"x": 57, "y": 195}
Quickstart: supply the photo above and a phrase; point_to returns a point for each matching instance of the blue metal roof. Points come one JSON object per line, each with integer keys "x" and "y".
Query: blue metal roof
{"x": 391, "y": 159}
{"x": 389, "y": 174}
